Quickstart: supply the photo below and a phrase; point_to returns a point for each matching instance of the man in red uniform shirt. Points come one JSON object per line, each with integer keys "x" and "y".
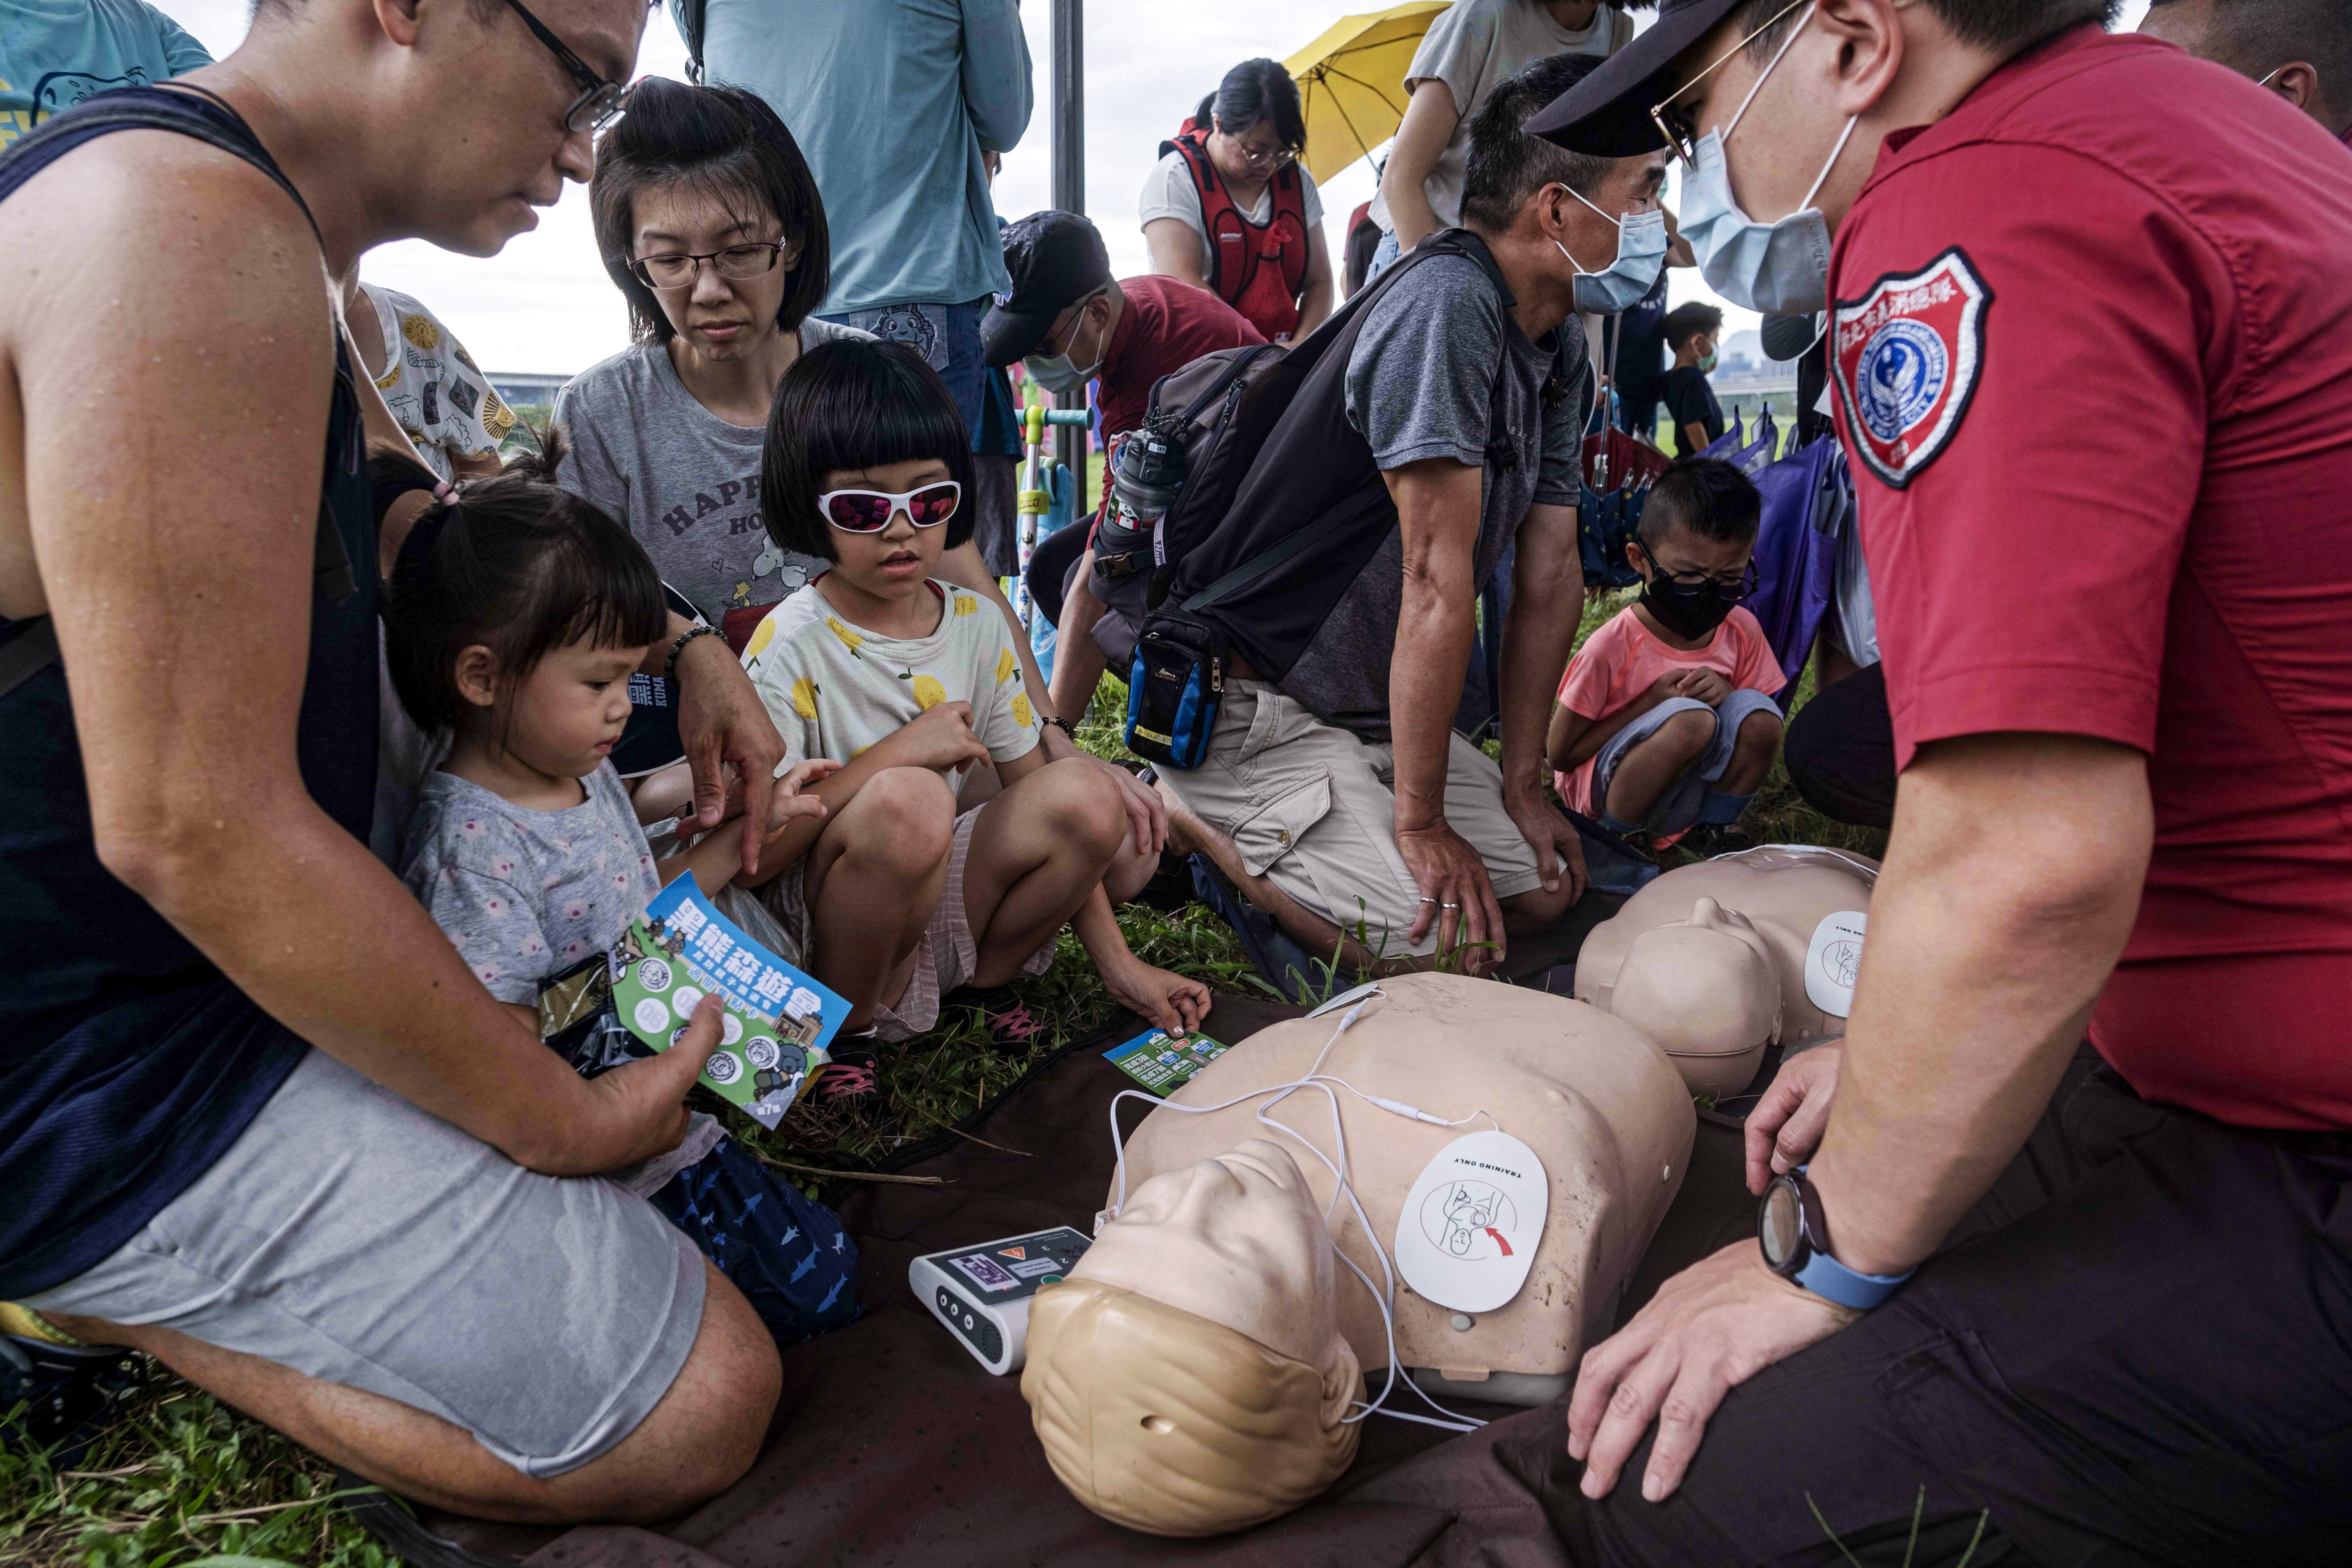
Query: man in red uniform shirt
{"x": 1070, "y": 322}
{"x": 2092, "y": 353}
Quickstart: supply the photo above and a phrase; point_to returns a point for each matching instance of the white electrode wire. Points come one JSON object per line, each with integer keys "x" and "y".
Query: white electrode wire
{"x": 1865, "y": 866}
{"x": 1384, "y": 1299}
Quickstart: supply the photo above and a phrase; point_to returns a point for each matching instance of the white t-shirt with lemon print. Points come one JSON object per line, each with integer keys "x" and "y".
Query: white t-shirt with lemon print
{"x": 834, "y": 689}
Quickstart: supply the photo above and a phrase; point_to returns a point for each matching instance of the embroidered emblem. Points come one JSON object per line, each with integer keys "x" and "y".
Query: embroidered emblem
{"x": 1906, "y": 360}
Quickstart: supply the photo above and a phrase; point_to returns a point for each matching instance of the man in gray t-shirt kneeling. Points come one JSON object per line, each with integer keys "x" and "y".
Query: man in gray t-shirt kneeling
{"x": 1339, "y": 798}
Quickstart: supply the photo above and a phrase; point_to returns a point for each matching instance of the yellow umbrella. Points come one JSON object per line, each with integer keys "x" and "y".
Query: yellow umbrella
{"x": 1352, "y": 82}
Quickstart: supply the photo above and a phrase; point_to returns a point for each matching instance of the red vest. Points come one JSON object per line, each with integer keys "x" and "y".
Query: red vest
{"x": 1256, "y": 270}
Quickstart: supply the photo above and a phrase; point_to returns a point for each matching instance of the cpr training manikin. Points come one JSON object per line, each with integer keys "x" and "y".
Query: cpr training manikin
{"x": 1715, "y": 962}
{"x": 1506, "y": 1156}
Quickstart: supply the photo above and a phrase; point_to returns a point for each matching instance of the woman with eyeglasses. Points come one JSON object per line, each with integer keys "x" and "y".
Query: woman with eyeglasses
{"x": 1227, "y": 208}
{"x": 712, "y": 227}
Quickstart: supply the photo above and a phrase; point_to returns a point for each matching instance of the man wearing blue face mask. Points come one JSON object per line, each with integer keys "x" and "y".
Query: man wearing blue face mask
{"x": 2018, "y": 1295}
{"x": 1335, "y": 793}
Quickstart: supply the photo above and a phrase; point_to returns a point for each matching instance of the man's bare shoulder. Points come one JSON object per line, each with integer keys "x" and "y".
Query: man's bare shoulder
{"x": 156, "y": 211}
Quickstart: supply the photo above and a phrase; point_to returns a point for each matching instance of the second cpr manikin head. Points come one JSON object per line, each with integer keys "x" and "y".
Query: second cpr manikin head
{"x": 1190, "y": 1377}
{"x": 1703, "y": 988}
{"x": 1713, "y": 961}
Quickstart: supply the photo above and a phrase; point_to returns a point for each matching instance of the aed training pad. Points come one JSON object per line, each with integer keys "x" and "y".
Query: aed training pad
{"x": 981, "y": 1294}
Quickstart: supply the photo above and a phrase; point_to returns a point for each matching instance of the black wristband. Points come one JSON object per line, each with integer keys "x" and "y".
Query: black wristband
{"x": 1066, "y": 728}
{"x": 669, "y": 666}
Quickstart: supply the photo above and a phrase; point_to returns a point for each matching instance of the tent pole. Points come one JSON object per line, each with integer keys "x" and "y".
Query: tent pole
{"x": 1069, "y": 134}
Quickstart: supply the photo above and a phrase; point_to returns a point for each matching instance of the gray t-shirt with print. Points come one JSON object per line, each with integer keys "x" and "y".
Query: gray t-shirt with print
{"x": 1422, "y": 383}
{"x": 525, "y": 894}
{"x": 680, "y": 478}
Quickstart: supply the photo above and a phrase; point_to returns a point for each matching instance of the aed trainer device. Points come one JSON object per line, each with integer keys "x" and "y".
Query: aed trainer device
{"x": 981, "y": 1294}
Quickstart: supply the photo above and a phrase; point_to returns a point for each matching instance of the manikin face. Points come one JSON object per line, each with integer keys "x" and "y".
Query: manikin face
{"x": 1189, "y": 1377}
{"x": 1701, "y": 987}
{"x": 1236, "y": 1240}
{"x": 495, "y": 96}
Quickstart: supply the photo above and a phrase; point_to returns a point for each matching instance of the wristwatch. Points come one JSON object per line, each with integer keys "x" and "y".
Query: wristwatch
{"x": 1795, "y": 1237}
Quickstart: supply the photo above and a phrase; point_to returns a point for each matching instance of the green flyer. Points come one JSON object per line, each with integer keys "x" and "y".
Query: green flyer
{"x": 774, "y": 1034}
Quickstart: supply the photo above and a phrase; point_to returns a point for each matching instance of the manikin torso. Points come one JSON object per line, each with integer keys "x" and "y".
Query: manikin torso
{"x": 1599, "y": 1105}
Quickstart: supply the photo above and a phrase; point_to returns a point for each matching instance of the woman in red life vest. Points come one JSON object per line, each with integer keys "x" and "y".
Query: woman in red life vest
{"x": 1227, "y": 208}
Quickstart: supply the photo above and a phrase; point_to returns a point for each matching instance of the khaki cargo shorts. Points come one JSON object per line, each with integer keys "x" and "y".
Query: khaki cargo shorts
{"x": 1312, "y": 808}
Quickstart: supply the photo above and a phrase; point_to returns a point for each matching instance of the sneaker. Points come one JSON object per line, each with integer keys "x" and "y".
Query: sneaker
{"x": 852, "y": 1081}
{"x": 1012, "y": 1027}
{"x": 1709, "y": 840}
{"x": 69, "y": 1391}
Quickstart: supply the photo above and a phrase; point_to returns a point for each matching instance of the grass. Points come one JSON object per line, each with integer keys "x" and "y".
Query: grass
{"x": 182, "y": 1480}
{"x": 185, "y": 1482}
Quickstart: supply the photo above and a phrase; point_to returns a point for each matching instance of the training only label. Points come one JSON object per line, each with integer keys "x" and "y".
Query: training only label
{"x": 1466, "y": 1236}
{"x": 1833, "y": 961}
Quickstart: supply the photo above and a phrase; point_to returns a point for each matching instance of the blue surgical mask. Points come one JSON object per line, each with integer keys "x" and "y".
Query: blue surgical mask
{"x": 1057, "y": 373}
{"x": 1781, "y": 269}
{"x": 1640, "y": 252}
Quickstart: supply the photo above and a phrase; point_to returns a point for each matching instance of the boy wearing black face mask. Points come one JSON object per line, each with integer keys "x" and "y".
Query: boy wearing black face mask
{"x": 1665, "y": 722}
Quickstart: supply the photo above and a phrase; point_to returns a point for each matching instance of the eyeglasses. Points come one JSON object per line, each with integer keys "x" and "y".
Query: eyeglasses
{"x": 676, "y": 270}
{"x": 1674, "y": 125}
{"x": 1730, "y": 587}
{"x": 1264, "y": 157}
{"x": 601, "y": 101}
{"x": 869, "y": 512}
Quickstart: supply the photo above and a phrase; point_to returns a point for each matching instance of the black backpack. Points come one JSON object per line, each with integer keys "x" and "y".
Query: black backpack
{"x": 1282, "y": 507}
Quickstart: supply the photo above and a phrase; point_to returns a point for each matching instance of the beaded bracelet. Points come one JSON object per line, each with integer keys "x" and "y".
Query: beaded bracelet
{"x": 669, "y": 668}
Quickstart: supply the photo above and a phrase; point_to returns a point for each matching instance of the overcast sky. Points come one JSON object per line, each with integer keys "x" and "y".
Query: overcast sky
{"x": 544, "y": 304}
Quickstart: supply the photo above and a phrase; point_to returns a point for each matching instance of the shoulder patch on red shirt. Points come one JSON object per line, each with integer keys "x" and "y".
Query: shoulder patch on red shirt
{"x": 1907, "y": 357}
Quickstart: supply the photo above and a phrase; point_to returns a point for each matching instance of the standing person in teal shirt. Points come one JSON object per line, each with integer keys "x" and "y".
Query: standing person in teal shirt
{"x": 894, "y": 103}
{"x": 54, "y": 53}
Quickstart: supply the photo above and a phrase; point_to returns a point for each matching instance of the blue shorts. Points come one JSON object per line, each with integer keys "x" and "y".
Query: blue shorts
{"x": 947, "y": 337}
{"x": 786, "y": 1253}
{"x": 1678, "y": 808}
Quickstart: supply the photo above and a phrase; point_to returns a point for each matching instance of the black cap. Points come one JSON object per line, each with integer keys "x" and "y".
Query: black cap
{"x": 1608, "y": 114}
{"x": 1056, "y": 259}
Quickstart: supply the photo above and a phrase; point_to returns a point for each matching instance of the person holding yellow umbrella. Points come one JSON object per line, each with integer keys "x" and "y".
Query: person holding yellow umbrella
{"x": 1470, "y": 49}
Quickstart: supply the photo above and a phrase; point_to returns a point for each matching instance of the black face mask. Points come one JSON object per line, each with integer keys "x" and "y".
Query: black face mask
{"x": 1691, "y": 610}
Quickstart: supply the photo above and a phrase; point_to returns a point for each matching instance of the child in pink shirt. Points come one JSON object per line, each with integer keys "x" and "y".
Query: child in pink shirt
{"x": 1665, "y": 722}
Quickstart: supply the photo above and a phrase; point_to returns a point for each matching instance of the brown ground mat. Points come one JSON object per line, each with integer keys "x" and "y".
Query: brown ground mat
{"x": 895, "y": 1446}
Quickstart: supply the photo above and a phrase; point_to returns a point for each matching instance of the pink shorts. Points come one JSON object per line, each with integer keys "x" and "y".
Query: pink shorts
{"x": 948, "y": 958}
